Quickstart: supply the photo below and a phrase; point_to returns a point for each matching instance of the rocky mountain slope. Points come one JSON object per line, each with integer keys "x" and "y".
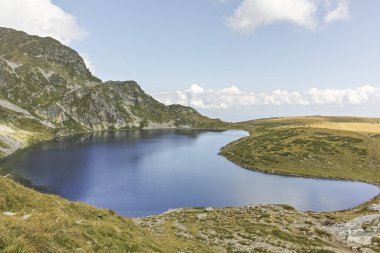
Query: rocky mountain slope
{"x": 46, "y": 90}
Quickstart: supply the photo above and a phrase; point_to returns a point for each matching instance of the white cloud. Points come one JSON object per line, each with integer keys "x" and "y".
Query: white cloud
{"x": 40, "y": 17}
{"x": 340, "y": 13}
{"x": 362, "y": 95}
{"x": 252, "y": 14}
{"x": 198, "y": 97}
{"x": 88, "y": 63}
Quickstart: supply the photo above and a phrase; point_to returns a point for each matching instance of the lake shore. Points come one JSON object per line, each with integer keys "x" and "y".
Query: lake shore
{"x": 128, "y": 163}
{"x": 325, "y": 226}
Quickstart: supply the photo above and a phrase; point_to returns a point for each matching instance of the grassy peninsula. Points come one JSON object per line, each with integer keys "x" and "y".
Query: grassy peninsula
{"x": 323, "y": 147}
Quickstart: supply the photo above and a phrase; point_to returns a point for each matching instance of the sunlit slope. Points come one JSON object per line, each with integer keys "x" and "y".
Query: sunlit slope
{"x": 34, "y": 222}
{"x": 325, "y": 147}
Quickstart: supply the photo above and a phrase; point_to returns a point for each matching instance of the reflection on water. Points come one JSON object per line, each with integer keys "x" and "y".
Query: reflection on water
{"x": 145, "y": 172}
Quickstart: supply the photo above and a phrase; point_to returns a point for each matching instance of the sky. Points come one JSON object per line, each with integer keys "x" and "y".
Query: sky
{"x": 232, "y": 59}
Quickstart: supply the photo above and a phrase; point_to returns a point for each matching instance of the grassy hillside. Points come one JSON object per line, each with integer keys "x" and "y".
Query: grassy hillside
{"x": 324, "y": 147}
{"x": 34, "y": 222}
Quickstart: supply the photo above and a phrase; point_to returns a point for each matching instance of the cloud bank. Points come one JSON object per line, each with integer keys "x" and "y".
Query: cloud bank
{"x": 252, "y": 14}
{"x": 198, "y": 97}
{"x": 40, "y": 17}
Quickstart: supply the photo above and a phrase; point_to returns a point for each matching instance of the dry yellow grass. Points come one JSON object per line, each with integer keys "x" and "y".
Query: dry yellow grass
{"x": 355, "y": 127}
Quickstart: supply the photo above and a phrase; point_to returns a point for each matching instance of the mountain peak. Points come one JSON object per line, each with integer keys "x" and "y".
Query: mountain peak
{"x": 44, "y": 52}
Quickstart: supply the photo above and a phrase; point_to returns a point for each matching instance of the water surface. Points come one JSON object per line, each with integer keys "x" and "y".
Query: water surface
{"x": 144, "y": 172}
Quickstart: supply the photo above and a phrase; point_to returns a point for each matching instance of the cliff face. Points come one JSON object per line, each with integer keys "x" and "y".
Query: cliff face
{"x": 46, "y": 89}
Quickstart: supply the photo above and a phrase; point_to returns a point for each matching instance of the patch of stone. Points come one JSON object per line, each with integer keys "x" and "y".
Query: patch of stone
{"x": 46, "y": 73}
{"x": 11, "y": 143}
{"x": 10, "y": 106}
{"x": 181, "y": 230}
{"x": 202, "y": 216}
{"x": 9, "y": 213}
{"x": 358, "y": 231}
{"x": 173, "y": 211}
{"x": 366, "y": 250}
{"x": 374, "y": 208}
{"x": 13, "y": 65}
{"x": 6, "y": 129}
{"x": 26, "y": 217}
{"x": 79, "y": 222}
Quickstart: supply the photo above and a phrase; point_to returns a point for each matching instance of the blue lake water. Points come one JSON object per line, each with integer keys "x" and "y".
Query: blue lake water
{"x": 144, "y": 172}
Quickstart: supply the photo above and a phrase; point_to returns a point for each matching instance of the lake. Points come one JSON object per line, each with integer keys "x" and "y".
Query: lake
{"x": 145, "y": 172}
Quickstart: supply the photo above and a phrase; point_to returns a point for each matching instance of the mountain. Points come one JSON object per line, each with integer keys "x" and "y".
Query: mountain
{"x": 47, "y": 90}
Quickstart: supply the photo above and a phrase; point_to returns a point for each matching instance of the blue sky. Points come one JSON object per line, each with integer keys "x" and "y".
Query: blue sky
{"x": 169, "y": 45}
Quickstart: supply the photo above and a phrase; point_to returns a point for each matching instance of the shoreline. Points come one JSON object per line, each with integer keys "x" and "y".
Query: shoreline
{"x": 272, "y": 172}
{"x": 57, "y": 137}
{"x": 26, "y": 145}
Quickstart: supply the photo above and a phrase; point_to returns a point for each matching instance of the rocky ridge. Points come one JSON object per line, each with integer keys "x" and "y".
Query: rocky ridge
{"x": 46, "y": 88}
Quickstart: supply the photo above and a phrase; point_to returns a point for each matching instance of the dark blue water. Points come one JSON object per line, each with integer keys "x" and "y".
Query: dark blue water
{"x": 138, "y": 173}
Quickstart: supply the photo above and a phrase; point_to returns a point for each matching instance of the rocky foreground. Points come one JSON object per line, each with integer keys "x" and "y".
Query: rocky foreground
{"x": 272, "y": 228}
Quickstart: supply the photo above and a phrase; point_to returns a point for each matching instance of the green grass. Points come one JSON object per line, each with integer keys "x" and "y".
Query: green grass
{"x": 58, "y": 225}
{"x": 292, "y": 147}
